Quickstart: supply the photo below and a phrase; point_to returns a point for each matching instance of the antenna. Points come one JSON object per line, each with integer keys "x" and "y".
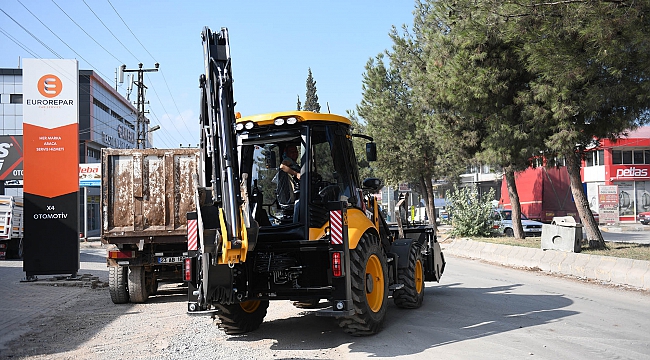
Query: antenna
{"x": 129, "y": 86}
{"x": 328, "y": 107}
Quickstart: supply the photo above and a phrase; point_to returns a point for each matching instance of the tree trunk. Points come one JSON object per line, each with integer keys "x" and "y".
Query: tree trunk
{"x": 517, "y": 228}
{"x": 427, "y": 189}
{"x": 590, "y": 226}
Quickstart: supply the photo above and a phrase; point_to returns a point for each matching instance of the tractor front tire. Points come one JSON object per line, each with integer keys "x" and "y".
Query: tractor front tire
{"x": 243, "y": 317}
{"x": 412, "y": 294}
{"x": 368, "y": 271}
{"x": 117, "y": 285}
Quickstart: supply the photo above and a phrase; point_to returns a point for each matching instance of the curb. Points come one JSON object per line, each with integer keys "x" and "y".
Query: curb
{"x": 607, "y": 269}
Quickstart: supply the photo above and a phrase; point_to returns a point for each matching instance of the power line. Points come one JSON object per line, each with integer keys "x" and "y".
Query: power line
{"x": 165, "y": 110}
{"x": 33, "y": 36}
{"x": 57, "y": 36}
{"x": 18, "y": 43}
{"x": 109, "y": 30}
{"x": 180, "y": 114}
{"x": 132, "y": 33}
{"x": 85, "y": 32}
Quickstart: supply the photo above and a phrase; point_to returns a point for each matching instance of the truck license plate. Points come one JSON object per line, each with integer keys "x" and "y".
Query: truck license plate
{"x": 170, "y": 259}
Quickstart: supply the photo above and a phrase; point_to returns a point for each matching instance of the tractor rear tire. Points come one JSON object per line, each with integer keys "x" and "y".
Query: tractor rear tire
{"x": 243, "y": 317}
{"x": 117, "y": 286}
{"x": 412, "y": 294}
{"x": 368, "y": 271}
{"x": 137, "y": 284}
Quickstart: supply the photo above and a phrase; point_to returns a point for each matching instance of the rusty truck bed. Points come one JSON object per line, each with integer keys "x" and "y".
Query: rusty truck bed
{"x": 146, "y": 194}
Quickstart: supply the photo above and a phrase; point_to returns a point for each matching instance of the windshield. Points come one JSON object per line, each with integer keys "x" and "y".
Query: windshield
{"x": 304, "y": 164}
{"x": 507, "y": 215}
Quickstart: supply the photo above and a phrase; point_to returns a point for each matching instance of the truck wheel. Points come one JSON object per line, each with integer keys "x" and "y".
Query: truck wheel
{"x": 509, "y": 232}
{"x": 137, "y": 284}
{"x": 243, "y": 317}
{"x": 368, "y": 271}
{"x": 117, "y": 284}
{"x": 20, "y": 249}
{"x": 412, "y": 294}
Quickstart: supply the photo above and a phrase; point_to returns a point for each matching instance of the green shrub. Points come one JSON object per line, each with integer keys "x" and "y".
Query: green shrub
{"x": 470, "y": 214}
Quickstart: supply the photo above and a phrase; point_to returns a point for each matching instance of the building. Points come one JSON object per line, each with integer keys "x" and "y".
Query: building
{"x": 625, "y": 163}
{"x": 484, "y": 177}
{"x": 106, "y": 120}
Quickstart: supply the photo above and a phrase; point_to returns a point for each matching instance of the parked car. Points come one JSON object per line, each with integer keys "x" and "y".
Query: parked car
{"x": 644, "y": 218}
{"x": 503, "y": 222}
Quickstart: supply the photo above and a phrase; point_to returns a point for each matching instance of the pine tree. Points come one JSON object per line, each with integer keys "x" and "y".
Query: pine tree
{"x": 311, "y": 99}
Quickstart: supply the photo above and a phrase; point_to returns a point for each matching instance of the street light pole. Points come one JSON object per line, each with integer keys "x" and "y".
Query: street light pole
{"x": 142, "y": 121}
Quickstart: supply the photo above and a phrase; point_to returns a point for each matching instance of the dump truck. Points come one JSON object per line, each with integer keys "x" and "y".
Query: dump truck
{"x": 11, "y": 227}
{"x": 146, "y": 194}
{"x": 283, "y": 215}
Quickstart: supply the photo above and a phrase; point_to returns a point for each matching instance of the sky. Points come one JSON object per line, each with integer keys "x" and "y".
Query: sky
{"x": 273, "y": 44}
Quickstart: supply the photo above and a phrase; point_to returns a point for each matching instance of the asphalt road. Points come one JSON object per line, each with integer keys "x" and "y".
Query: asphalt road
{"x": 641, "y": 237}
{"x": 478, "y": 311}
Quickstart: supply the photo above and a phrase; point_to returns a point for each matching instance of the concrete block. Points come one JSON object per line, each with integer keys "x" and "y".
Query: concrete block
{"x": 604, "y": 269}
{"x": 555, "y": 261}
{"x": 561, "y": 237}
{"x": 592, "y": 266}
{"x": 520, "y": 257}
{"x": 580, "y": 264}
{"x": 488, "y": 252}
{"x": 639, "y": 274}
{"x": 545, "y": 261}
{"x": 619, "y": 271}
{"x": 537, "y": 258}
{"x": 566, "y": 265}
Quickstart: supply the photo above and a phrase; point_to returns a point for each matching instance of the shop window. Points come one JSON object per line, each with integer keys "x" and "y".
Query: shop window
{"x": 617, "y": 157}
{"x": 647, "y": 156}
{"x": 600, "y": 157}
{"x": 627, "y": 157}
{"x": 638, "y": 157}
{"x": 16, "y": 98}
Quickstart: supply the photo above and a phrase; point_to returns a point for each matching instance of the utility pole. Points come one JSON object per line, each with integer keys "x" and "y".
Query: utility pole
{"x": 142, "y": 121}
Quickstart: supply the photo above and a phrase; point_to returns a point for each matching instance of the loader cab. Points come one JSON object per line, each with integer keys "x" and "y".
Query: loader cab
{"x": 325, "y": 161}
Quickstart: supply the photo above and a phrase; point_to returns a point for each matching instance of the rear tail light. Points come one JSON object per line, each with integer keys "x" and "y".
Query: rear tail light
{"x": 121, "y": 254}
{"x": 187, "y": 269}
{"x": 337, "y": 264}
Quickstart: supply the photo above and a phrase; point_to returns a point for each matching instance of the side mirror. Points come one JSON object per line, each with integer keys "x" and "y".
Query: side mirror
{"x": 371, "y": 151}
{"x": 372, "y": 184}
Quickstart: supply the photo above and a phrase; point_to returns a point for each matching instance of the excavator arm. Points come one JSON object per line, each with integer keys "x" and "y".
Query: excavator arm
{"x": 219, "y": 150}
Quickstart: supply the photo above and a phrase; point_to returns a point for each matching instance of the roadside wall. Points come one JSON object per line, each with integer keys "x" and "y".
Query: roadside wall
{"x": 619, "y": 271}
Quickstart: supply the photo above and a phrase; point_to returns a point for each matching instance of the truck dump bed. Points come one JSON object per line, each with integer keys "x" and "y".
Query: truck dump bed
{"x": 147, "y": 193}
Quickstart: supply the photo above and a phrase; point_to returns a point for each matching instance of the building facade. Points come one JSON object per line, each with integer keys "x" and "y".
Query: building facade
{"x": 626, "y": 163}
{"x": 106, "y": 120}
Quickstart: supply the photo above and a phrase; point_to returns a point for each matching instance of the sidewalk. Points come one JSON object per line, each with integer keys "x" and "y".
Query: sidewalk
{"x": 610, "y": 270}
{"x": 22, "y": 302}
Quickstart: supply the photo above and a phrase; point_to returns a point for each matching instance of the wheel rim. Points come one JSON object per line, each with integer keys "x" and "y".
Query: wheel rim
{"x": 250, "y": 306}
{"x": 374, "y": 283}
{"x": 419, "y": 284}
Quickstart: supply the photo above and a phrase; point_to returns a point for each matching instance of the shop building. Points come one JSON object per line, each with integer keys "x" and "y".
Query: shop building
{"x": 625, "y": 163}
{"x": 106, "y": 120}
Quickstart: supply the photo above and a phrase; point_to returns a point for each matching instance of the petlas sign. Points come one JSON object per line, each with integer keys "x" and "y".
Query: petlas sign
{"x": 632, "y": 172}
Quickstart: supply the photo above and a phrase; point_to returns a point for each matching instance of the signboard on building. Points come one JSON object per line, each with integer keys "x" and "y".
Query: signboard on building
{"x": 608, "y": 204}
{"x": 11, "y": 157}
{"x": 90, "y": 174}
{"x": 51, "y": 163}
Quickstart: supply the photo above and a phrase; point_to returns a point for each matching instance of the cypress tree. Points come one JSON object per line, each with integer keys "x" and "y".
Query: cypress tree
{"x": 311, "y": 98}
